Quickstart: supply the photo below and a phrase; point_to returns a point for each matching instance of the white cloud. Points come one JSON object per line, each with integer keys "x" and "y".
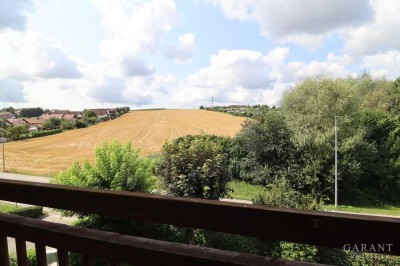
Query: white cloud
{"x": 183, "y": 52}
{"x": 135, "y": 27}
{"x": 11, "y": 91}
{"x": 379, "y": 36}
{"x": 31, "y": 55}
{"x": 303, "y": 22}
{"x": 57, "y": 93}
{"x": 108, "y": 90}
{"x": 249, "y": 77}
{"x": 132, "y": 66}
{"x": 243, "y": 68}
{"x": 13, "y": 14}
{"x": 383, "y": 65}
{"x": 106, "y": 86}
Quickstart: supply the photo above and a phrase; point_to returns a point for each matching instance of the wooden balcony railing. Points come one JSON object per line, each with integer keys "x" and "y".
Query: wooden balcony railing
{"x": 307, "y": 227}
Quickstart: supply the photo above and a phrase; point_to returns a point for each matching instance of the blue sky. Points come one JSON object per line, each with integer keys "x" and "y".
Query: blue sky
{"x": 74, "y": 54}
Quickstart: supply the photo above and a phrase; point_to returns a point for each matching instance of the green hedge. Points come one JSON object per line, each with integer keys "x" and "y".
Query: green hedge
{"x": 31, "y": 212}
{"x": 46, "y": 133}
{"x": 31, "y": 257}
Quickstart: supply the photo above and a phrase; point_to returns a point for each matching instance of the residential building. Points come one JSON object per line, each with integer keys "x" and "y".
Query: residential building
{"x": 7, "y": 115}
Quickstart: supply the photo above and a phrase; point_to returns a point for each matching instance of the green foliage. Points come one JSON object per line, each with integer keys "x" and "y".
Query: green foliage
{"x": 243, "y": 244}
{"x": 91, "y": 120}
{"x": 310, "y": 107}
{"x": 264, "y": 151}
{"x": 3, "y": 123}
{"x": 31, "y": 211}
{"x": 48, "y": 125}
{"x": 6, "y": 208}
{"x": 81, "y": 124}
{"x": 365, "y": 259}
{"x": 31, "y": 258}
{"x": 46, "y": 133}
{"x": 55, "y": 121}
{"x": 245, "y": 191}
{"x": 117, "y": 167}
{"x": 9, "y": 109}
{"x": 298, "y": 252}
{"x": 31, "y": 112}
{"x": 256, "y": 111}
{"x": 15, "y": 131}
{"x": 281, "y": 194}
{"x": 382, "y": 168}
{"x": 195, "y": 166}
{"x": 88, "y": 113}
{"x": 66, "y": 124}
{"x": 368, "y": 163}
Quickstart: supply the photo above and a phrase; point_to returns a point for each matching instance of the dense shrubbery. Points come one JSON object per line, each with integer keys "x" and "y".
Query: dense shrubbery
{"x": 17, "y": 131}
{"x": 66, "y": 124}
{"x": 297, "y": 142}
{"x": 81, "y": 124}
{"x": 117, "y": 167}
{"x": 46, "y": 133}
{"x": 30, "y": 255}
{"x": 31, "y": 112}
{"x": 195, "y": 166}
{"x": 31, "y": 211}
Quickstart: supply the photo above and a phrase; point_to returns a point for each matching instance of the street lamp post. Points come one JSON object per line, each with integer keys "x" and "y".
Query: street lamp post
{"x": 336, "y": 163}
{"x": 2, "y": 138}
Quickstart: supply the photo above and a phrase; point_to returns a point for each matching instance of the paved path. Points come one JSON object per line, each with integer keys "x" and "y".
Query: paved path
{"x": 29, "y": 178}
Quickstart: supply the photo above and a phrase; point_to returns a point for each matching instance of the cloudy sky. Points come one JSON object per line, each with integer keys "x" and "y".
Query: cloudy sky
{"x": 75, "y": 54}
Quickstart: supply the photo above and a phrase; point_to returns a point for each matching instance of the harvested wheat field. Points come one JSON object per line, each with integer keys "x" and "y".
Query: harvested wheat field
{"x": 147, "y": 130}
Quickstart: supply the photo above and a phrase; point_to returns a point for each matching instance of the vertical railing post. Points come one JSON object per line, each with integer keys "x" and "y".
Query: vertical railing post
{"x": 4, "y": 259}
{"x": 87, "y": 260}
{"x": 21, "y": 252}
{"x": 62, "y": 257}
{"x": 41, "y": 255}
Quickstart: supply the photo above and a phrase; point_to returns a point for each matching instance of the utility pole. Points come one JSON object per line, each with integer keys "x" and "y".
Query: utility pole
{"x": 3, "y": 140}
{"x": 212, "y": 102}
{"x": 336, "y": 163}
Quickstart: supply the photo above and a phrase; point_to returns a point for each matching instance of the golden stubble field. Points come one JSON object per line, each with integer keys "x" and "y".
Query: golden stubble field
{"x": 148, "y": 130}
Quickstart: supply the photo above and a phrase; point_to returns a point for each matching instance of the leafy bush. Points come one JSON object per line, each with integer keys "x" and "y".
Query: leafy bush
{"x": 15, "y": 131}
{"x": 46, "y": 133}
{"x": 81, "y": 124}
{"x": 66, "y": 124}
{"x": 91, "y": 120}
{"x": 117, "y": 167}
{"x": 31, "y": 212}
{"x": 56, "y": 121}
{"x": 31, "y": 258}
{"x": 195, "y": 166}
{"x": 88, "y": 113}
{"x": 48, "y": 125}
{"x": 361, "y": 259}
{"x": 280, "y": 194}
{"x": 264, "y": 151}
{"x": 243, "y": 244}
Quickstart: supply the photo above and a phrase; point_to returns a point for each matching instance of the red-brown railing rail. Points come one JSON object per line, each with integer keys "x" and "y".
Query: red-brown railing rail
{"x": 307, "y": 227}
